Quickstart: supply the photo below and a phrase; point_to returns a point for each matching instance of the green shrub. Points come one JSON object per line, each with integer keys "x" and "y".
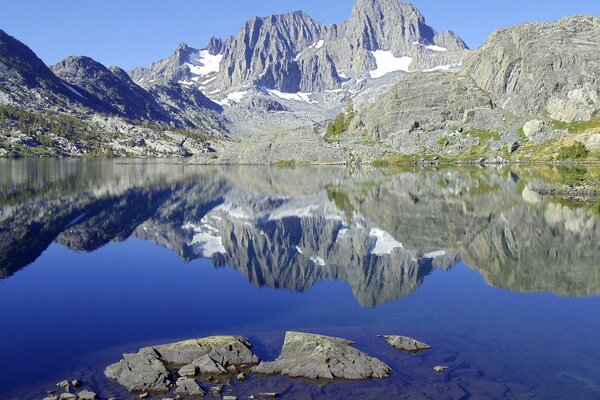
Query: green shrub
{"x": 574, "y": 152}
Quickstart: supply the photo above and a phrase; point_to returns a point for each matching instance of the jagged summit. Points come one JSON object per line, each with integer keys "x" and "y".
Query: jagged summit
{"x": 293, "y": 53}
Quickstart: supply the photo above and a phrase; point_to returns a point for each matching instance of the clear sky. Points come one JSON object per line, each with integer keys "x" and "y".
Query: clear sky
{"x": 131, "y": 33}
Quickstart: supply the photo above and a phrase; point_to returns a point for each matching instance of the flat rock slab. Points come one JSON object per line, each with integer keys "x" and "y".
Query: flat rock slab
{"x": 189, "y": 387}
{"x": 225, "y": 350}
{"x": 146, "y": 370}
{"x": 406, "y": 343}
{"x": 306, "y": 355}
{"x": 141, "y": 372}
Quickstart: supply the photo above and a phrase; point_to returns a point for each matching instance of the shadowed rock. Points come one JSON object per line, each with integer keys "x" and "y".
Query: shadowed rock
{"x": 306, "y": 355}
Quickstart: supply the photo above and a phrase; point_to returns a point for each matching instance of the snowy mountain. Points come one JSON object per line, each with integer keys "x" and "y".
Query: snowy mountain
{"x": 293, "y": 59}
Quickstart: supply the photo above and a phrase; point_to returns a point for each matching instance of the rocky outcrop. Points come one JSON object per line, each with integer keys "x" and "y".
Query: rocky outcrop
{"x": 311, "y": 356}
{"x": 146, "y": 370}
{"x": 542, "y": 67}
{"x": 424, "y": 103}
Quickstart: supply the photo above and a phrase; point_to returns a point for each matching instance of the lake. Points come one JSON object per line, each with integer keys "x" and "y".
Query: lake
{"x": 102, "y": 257}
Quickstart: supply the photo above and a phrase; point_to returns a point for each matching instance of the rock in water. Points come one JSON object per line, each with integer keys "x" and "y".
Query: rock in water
{"x": 316, "y": 356}
{"x": 224, "y": 350}
{"x": 189, "y": 387}
{"x": 406, "y": 343}
{"x": 87, "y": 395}
{"x": 143, "y": 371}
{"x": 146, "y": 370}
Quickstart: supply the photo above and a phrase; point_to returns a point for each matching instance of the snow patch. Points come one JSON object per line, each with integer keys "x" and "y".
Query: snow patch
{"x": 384, "y": 243}
{"x": 319, "y": 44}
{"x": 72, "y": 89}
{"x": 436, "y": 48}
{"x": 449, "y": 67}
{"x": 387, "y": 62}
{"x": 299, "y": 96}
{"x": 204, "y": 63}
{"x": 235, "y": 97}
{"x": 318, "y": 260}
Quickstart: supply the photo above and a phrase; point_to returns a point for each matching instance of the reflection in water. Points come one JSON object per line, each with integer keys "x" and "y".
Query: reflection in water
{"x": 380, "y": 232}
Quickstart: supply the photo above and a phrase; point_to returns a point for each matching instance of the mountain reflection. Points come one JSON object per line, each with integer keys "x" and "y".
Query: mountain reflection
{"x": 381, "y": 232}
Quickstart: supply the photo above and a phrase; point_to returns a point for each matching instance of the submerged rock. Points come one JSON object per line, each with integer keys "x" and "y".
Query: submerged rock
{"x": 139, "y": 372}
{"x": 87, "y": 395}
{"x": 406, "y": 343}
{"x": 316, "y": 356}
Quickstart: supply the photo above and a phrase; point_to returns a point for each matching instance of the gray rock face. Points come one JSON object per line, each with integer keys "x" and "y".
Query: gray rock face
{"x": 294, "y": 53}
{"x": 406, "y": 343}
{"x": 141, "y": 372}
{"x": 268, "y": 43}
{"x": 426, "y": 102}
{"x": 390, "y": 24}
{"x": 533, "y": 68}
{"x": 312, "y": 356}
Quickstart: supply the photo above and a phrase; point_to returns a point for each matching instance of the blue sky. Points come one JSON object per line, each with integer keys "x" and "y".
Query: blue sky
{"x": 131, "y": 33}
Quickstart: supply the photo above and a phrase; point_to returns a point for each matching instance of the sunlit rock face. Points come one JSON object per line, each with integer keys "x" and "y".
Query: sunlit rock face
{"x": 382, "y": 233}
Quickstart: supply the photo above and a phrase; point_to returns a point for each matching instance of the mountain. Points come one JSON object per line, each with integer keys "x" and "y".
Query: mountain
{"x": 81, "y": 107}
{"x": 294, "y": 54}
{"x": 26, "y": 80}
{"x": 267, "y": 93}
{"x": 524, "y": 87}
{"x": 116, "y": 90}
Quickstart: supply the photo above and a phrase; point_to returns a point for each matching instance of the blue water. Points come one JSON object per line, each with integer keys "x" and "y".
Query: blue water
{"x": 70, "y": 313}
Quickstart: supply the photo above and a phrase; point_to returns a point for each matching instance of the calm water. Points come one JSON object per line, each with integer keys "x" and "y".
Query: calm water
{"x": 102, "y": 257}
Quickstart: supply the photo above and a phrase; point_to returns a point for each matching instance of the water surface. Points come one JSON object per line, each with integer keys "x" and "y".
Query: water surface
{"x": 102, "y": 257}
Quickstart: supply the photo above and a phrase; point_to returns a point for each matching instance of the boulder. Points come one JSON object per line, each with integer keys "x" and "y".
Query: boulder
{"x": 140, "y": 372}
{"x": 188, "y": 387}
{"x": 306, "y": 355}
{"x": 533, "y": 127}
{"x": 225, "y": 350}
{"x": 406, "y": 343}
{"x": 87, "y": 395}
